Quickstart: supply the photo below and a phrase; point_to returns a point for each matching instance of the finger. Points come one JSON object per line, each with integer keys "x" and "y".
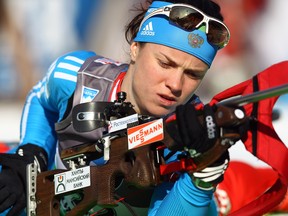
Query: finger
{"x": 8, "y": 202}
{"x": 202, "y": 175}
{"x": 181, "y": 122}
{"x": 211, "y": 178}
{"x": 215, "y": 168}
{"x": 4, "y": 195}
{"x": 18, "y": 207}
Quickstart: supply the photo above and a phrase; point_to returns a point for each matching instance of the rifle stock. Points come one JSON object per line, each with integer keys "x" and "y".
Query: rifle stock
{"x": 137, "y": 166}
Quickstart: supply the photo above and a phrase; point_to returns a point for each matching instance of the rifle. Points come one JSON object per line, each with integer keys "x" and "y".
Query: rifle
{"x": 141, "y": 166}
{"x": 137, "y": 166}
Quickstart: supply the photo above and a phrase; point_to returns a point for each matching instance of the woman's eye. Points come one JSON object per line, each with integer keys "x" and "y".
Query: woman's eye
{"x": 195, "y": 76}
{"x": 164, "y": 64}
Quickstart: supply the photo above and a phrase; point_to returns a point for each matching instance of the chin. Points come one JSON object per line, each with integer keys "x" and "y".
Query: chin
{"x": 159, "y": 112}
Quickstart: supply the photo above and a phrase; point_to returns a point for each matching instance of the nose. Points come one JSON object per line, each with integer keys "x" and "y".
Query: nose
{"x": 175, "y": 82}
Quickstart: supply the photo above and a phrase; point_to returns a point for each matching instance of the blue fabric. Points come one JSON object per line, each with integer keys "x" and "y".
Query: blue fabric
{"x": 181, "y": 199}
{"x": 157, "y": 29}
{"x": 49, "y": 100}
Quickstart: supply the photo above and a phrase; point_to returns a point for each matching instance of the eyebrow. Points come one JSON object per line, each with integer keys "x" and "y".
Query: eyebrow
{"x": 175, "y": 64}
{"x": 171, "y": 61}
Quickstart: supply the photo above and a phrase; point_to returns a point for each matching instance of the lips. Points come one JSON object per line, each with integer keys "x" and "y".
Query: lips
{"x": 167, "y": 100}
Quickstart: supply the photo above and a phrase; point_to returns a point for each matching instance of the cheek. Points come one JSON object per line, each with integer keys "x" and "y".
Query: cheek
{"x": 145, "y": 74}
{"x": 196, "y": 84}
{"x": 190, "y": 87}
{"x": 146, "y": 66}
{"x": 139, "y": 80}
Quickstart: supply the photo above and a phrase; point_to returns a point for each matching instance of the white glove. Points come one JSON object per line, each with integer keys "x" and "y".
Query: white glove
{"x": 209, "y": 177}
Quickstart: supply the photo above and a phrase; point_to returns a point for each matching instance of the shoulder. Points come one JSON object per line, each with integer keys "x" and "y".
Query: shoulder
{"x": 62, "y": 75}
{"x": 72, "y": 61}
{"x": 79, "y": 55}
{"x": 66, "y": 67}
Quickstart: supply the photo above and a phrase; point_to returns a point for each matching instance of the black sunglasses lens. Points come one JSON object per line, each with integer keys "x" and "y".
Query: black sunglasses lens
{"x": 217, "y": 34}
{"x": 186, "y": 18}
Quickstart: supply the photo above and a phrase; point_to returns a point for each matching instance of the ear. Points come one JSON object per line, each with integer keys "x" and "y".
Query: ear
{"x": 134, "y": 48}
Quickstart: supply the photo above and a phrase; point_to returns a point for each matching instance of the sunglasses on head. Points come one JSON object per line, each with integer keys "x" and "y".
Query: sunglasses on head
{"x": 190, "y": 18}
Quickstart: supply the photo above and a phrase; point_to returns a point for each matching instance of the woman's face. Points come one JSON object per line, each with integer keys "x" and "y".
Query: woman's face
{"x": 161, "y": 78}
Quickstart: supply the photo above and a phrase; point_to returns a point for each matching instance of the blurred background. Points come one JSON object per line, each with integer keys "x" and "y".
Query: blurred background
{"x": 34, "y": 33}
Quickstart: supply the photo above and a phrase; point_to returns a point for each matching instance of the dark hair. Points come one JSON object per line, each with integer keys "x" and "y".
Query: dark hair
{"x": 207, "y": 6}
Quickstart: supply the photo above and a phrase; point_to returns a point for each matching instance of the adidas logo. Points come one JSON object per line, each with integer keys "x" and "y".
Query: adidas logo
{"x": 148, "y": 30}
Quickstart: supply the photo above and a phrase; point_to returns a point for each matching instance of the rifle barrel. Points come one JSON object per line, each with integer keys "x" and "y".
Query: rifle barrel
{"x": 256, "y": 96}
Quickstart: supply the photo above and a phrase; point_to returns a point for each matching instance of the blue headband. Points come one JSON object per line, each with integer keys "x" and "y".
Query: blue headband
{"x": 157, "y": 29}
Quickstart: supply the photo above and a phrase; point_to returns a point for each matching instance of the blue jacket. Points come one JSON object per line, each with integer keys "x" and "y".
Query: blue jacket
{"x": 46, "y": 104}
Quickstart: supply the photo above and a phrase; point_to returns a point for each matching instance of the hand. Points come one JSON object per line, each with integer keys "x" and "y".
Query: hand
{"x": 13, "y": 176}
{"x": 12, "y": 190}
{"x": 211, "y": 176}
{"x": 200, "y": 132}
{"x": 189, "y": 132}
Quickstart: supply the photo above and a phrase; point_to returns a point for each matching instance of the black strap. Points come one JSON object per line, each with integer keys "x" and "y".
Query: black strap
{"x": 69, "y": 106}
{"x": 254, "y": 114}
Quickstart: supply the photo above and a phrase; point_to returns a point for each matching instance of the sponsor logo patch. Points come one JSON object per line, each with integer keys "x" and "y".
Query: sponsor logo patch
{"x": 72, "y": 180}
{"x": 148, "y": 30}
{"x": 88, "y": 94}
{"x": 144, "y": 134}
{"x": 211, "y": 131}
{"x": 120, "y": 124}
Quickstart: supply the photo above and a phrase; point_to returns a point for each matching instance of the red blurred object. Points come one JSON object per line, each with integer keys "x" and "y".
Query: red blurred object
{"x": 262, "y": 140}
{"x": 4, "y": 147}
{"x": 244, "y": 183}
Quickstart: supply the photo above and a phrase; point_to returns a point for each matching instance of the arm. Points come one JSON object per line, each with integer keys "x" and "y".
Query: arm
{"x": 45, "y": 105}
{"x": 47, "y": 102}
{"x": 181, "y": 198}
{"x": 193, "y": 191}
